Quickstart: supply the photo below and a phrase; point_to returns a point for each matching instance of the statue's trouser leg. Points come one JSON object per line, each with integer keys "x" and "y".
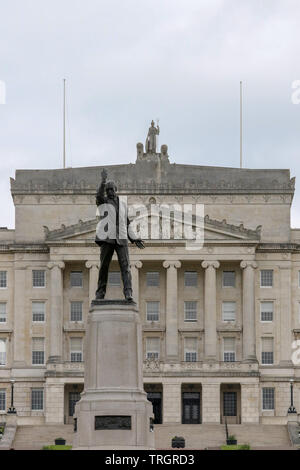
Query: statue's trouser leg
{"x": 123, "y": 257}
{"x": 106, "y": 253}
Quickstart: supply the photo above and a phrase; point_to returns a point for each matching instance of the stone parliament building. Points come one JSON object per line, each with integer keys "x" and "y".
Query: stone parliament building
{"x": 219, "y": 324}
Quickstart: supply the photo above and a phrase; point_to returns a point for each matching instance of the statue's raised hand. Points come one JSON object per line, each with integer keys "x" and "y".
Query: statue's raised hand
{"x": 104, "y": 175}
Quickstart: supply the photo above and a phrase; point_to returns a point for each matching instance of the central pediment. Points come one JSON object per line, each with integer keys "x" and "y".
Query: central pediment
{"x": 214, "y": 230}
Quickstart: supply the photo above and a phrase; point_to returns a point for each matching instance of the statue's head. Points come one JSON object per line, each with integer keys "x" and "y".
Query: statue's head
{"x": 164, "y": 150}
{"x": 140, "y": 148}
{"x": 152, "y": 123}
{"x": 111, "y": 189}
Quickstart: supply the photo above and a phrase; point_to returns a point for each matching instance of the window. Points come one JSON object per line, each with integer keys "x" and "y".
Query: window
{"x": 76, "y": 279}
{"x": 190, "y": 349}
{"x": 266, "y": 278}
{"x": 2, "y": 312}
{"x": 76, "y": 311}
{"x": 268, "y": 401}
{"x": 37, "y": 399}
{"x": 152, "y": 279}
{"x": 2, "y": 400}
{"x": 190, "y": 311}
{"x": 228, "y": 311}
{"x": 38, "y": 311}
{"x": 3, "y": 279}
{"x": 190, "y": 279}
{"x": 228, "y": 278}
{"x": 152, "y": 311}
{"x": 229, "y": 349}
{"x": 152, "y": 348}
{"x": 38, "y": 353}
{"x": 76, "y": 349}
{"x": 267, "y": 356}
{"x": 2, "y": 352}
{"x": 266, "y": 311}
{"x": 38, "y": 278}
{"x": 114, "y": 278}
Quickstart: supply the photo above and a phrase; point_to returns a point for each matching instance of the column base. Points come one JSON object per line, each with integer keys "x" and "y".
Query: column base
{"x": 250, "y": 360}
{"x": 54, "y": 360}
{"x": 210, "y": 359}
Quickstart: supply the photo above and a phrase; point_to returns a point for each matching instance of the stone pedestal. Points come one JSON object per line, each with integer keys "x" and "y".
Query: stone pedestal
{"x": 113, "y": 412}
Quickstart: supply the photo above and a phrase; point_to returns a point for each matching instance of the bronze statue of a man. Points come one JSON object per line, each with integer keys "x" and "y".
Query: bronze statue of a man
{"x": 112, "y": 234}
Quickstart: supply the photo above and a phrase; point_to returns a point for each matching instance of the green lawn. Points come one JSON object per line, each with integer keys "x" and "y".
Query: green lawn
{"x": 236, "y": 447}
{"x": 54, "y": 447}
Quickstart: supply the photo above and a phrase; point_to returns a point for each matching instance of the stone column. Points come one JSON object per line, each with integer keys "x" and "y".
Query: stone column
{"x": 249, "y": 342}
{"x": 172, "y": 403}
{"x": 135, "y": 266}
{"x": 250, "y": 402}
{"x": 56, "y": 315}
{"x": 211, "y": 403}
{"x": 210, "y": 310}
{"x": 20, "y": 331}
{"x": 171, "y": 310}
{"x": 285, "y": 317}
{"x": 54, "y": 401}
{"x": 93, "y": 267}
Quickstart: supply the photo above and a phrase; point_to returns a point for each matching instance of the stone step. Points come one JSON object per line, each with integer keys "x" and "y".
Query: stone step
{"x": 201, "y": 436}
{"x": 35, "y": 437}
{"x": 197, "y": 436}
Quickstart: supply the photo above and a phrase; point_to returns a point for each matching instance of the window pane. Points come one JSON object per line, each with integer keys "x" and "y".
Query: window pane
{"x": 37, "y": 399}
{"x": 152, "y": 311}
{"x": 190, "y": 349}
{"x": 2, "y": 312}
{"x": 38, "y": 278}
{"x": 267, "y": 356}
{"x": 76, "y": 279}
{"x": 228, "y": 278}
{"x": 190, "y": 311}
{"x": 229, "y": 349}
{"x": 266, "y": 310}
{"x": 190, "y": 278}
{"x": 76, "y": 349}
{"x": 268, "y": 398}
{"x": 38, "y": 311}
{"x": 266, "y": 277}
{"x": 152, "y": 348}
{"x": 38, "y": 355}
{"x": 3, "y": 279}
{"x": 152, "y": 279}
{"x": 2, "y": 352}
{"x": 228, "y": 311}
{"x": 114, "y": 278}
{"x": 76, "y": 311}
{"x": 2, "y": 400}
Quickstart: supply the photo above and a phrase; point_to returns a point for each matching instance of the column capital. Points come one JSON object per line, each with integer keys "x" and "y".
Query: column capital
{"x": 175, "y": 264}
{"x": 91, "y": 264}
{"x": 248, "y": 264}
{"x": 136, "y": 264}
{"x": 56, "y": 264}
{"x": 213, "y": 264}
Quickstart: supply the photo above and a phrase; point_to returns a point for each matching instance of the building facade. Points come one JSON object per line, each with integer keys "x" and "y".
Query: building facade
{"x": 220, "y": 324}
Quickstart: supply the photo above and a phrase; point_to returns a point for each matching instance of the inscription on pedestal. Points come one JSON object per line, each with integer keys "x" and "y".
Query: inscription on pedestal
{"x": 112, "y": 422}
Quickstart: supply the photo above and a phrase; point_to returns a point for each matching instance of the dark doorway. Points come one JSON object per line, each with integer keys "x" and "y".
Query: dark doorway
{"x": 230, "y": 403}
{"x": 74, "y": 397}
{"x": 156, "y": 400}
{"x": 190, "y": 407}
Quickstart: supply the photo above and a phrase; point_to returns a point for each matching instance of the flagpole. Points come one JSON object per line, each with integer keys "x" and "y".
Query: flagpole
{"x": 64, "y": 125}
{"x": 241, "y": 126}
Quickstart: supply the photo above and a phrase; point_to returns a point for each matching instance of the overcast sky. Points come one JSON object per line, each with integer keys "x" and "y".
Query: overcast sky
{"x": 130, "y": 61}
